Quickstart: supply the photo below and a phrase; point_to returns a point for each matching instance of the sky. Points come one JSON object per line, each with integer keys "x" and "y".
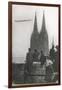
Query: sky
{"x": 21, "y": 31}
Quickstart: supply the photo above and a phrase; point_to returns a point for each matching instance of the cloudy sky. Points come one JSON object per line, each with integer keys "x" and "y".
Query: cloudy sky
{"x": 21, "y": 31}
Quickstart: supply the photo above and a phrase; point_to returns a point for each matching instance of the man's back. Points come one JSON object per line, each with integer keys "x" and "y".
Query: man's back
{"x": 42, "y": 59}
{"x": 35, "y": 56}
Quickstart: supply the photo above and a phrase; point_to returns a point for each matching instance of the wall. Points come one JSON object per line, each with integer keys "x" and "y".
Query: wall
{"x": 4, "y": 44}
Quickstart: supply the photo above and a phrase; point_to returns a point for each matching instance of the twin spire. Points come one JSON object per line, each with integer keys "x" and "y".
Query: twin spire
{"x": 39, "y": 41}
{"x": 43, "y": 24}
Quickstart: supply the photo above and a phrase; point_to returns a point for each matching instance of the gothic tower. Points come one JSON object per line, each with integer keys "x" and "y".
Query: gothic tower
{"x": 35, "y": 35}
{"x": 39, "y": 41}
{"x": 43, "y": 38}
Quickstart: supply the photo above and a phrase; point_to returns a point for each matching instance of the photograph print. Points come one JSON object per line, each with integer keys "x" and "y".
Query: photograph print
{"x": 35, "y": 44}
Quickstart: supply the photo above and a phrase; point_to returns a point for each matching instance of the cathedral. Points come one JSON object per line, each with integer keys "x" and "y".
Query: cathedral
{"x": 38, "y": 40}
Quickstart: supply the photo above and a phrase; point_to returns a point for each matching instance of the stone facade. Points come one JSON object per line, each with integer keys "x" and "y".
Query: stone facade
{"x": 39, "y": 41}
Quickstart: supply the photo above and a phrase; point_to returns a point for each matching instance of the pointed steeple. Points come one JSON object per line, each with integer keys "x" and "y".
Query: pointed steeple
{"x": 43, "y": 28}
{"x": 44, "y": 44}
{"x": 43, "y": 22}
{"x": 35, "y": 35}
{"x": 35, "y": 29}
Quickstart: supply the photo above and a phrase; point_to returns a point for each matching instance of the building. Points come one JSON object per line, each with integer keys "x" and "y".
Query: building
{"x": 34, "y": 43}
{"x": 43, "y": 38}
{"x": 39, "y": 41}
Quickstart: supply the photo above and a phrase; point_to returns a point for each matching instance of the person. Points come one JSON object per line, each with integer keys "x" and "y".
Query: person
{"x": 35, "y": 55}
{"x": 56, "y": 59}
{"x": 52, "y": 53}
{"x": 28, "y": 63}
{"x": 42, "y": 58}
{"x": 28, "y": 67}
{"x": 49, "y": 70}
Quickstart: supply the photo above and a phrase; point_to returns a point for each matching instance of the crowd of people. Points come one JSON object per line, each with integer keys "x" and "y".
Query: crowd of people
{"x": 49, "y": 61}
{"x": 34, "y": 57}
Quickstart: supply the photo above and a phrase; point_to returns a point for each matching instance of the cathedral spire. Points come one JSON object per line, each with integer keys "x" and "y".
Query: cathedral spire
{"x": 43, "y": 36}
{"x": 35, "y": 29}
{"x": 43, "y": 28}
{"x": 40, "y": 41}
{"x": 43, "y": 31}
{"x": 43, "y": 23}
{"x": 34, "y": 36}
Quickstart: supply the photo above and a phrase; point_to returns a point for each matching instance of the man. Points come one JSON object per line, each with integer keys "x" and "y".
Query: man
{"x": 28, "y": 64}
{"x": 28, "y": 67}
{"x": 42, "y": 58}
{"x": 35, "y": 55}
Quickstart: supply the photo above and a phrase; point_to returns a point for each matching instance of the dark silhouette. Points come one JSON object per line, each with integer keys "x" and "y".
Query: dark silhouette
{"x": 49, "y": 70}
{"x": 28, "y": 63}
{"x": 28, "y": 67}
{"x": 35, "y": 55}
{"x": 56, "y": 63}
{"x": 42, "y": 58}
{"x": 52, "y": 56}
{"x": 52, "y": 53}
{"x": 40, "y": 41}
